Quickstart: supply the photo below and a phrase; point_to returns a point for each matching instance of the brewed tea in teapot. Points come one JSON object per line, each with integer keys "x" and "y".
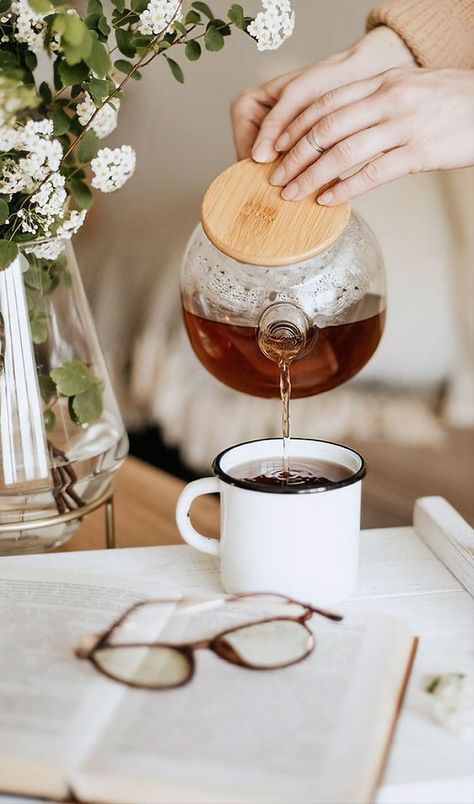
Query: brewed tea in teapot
{"x": 268, "y": 283}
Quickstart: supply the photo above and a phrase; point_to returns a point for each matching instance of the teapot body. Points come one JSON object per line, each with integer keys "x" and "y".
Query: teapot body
{"x": 340, "y": 291}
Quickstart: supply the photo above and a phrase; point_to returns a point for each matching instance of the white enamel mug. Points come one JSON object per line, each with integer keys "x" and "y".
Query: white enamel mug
{"x": 301, "y": 543}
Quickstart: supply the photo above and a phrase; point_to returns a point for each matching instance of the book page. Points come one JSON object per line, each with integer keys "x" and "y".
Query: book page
{"x": 52, "y": 706}
{"x": 315, "y": 731}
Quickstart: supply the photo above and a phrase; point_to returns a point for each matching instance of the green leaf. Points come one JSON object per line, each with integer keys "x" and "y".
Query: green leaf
{"x": 61, "y": 122}
{"x": 30, "y": 60}
{"x": 213, "y": 40}
{"x": 4, "y": 210}
{"x": 178, "y": 26}
{"x": 47, "y": 387}
{"x": 72, "y": 378}
{"x": 76, "y": 38}
{"x": 104, "y": 26}
{"x": 124, "y": 66}
{"x": 204, "y": 9}
{"x": 39, "y": 327}
{"x": 88, "y": 405}
{"x": 193, "y": 50}
{"x": 37, "y": 276}
{"x": 41, "y": 6}
{"x": 49, "y": 420}
{"x": 176, "y": 70}
{"x": 4, "y": 5}
{"x": 45, "y": 93}
{"x": 236, "y": 15}
{"x": 221, "y": 26}
{"x": 124, "y": 42}
{"x": 88, "y": 147}
{"x": 139, "y": 5}
{"x": 95, "y": 7}
{"x": 72, "y": 74}
{"x": 81, "y": 193}
{"x": 99, "y": 89}
{"x": 192, "y": 17}
{"x": 8, "y": 252}
{"x": 98, "y": 59}
{"x": 119, "y": 4}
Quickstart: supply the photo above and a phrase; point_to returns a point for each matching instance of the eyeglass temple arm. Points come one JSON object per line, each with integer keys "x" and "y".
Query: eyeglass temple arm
{"x": 328, "y": 614}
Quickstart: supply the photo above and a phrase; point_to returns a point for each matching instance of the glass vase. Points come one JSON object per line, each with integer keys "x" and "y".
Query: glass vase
{"x": 62, "y": 438}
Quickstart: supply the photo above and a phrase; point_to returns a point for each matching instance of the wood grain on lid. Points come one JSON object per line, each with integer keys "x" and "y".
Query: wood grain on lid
{"x": 246, "y": 218}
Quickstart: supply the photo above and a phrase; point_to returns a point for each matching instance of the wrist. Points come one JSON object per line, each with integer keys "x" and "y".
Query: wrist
{"x": 381, "y": 49}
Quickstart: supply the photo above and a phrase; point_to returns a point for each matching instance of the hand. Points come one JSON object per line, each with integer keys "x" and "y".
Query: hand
{"x": 402, "y": 121}
{"x": 261, "y": 114}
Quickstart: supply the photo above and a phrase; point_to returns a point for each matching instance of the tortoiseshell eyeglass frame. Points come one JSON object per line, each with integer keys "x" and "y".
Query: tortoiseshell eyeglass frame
{"x": 217, "y": 644}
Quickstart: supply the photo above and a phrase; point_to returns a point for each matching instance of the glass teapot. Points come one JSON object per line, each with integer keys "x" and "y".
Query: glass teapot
{"x": 267, "y": 282}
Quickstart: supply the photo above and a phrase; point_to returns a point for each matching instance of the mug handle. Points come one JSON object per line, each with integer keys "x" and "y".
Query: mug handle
{"x": 205, "y": 485}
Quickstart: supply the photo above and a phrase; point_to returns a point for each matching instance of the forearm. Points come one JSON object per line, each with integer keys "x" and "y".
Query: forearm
{"x": 439, "y": 33}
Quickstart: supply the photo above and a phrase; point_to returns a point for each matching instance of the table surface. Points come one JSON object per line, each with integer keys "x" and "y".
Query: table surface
{"x": 399, "y": 575}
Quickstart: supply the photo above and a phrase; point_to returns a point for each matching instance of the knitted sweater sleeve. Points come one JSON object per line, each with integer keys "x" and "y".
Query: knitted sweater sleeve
{"x": 439, "y": 33}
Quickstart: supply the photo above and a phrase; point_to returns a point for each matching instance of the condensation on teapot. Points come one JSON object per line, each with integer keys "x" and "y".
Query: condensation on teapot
{"x": 284, "y": 333}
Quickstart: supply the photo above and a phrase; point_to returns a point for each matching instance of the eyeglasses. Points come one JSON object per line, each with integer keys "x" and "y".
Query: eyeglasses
{"x": 263, "y": 644}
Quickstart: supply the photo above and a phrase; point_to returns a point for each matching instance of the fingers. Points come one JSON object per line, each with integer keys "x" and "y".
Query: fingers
{"x": 293, "y": 99}
{"x": 326, "y": 104}
{"x": 247, "y": 113}
{"x": 386, "y": 168}
{"x": 344, "y": 156}
{"x": 333, "y": 128}
{"x": 249, "y": 109}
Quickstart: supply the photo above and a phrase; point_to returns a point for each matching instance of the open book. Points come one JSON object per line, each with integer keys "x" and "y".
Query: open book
{"x": 318, "y": 731}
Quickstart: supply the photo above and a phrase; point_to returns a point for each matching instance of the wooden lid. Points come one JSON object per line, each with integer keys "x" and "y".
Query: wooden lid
{"x": 246, "y": 218}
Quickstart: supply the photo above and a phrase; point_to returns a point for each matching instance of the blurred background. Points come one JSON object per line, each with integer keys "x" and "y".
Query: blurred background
{"x": 410, "y": 411}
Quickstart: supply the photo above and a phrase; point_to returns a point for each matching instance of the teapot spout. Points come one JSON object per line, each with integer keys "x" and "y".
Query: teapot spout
{"x": 283, "y": 332}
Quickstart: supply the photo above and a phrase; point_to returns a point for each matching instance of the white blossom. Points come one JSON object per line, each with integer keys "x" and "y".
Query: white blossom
{"x": 112, "y": 167}
{"x": 272, "y": 26}
{"x": 452, "y": 700}
{"x": 158, "y": 15}
{"x": 105, "y": 120}
{"x": 71, "y": 224}
{"x": 49, "y": 250}
{"x": 30, "y": 26}
{"x": 43, "y": 156}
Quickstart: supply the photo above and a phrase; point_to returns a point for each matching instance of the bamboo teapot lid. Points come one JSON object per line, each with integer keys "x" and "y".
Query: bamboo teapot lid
{"x": 246, "y": 218}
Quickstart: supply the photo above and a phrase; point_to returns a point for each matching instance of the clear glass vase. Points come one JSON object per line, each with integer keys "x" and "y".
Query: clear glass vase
{"x": 61, "y": 434}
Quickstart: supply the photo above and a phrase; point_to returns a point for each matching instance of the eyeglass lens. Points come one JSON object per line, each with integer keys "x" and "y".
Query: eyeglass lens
{"x": 272, "y": 644}
{"x": 150, "y": 666}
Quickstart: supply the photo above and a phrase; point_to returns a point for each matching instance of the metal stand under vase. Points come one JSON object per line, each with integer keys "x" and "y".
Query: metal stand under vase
{"x": 106, "y": 500}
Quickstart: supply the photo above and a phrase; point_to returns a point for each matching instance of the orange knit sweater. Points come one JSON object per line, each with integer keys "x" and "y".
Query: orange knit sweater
{"x": 439, "y": 33}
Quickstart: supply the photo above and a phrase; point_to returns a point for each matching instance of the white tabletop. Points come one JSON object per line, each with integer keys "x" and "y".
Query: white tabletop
{"x": 399, "y": 575}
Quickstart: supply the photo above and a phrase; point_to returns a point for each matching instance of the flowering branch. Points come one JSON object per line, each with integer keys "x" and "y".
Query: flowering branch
{"x": 50, "y": 154}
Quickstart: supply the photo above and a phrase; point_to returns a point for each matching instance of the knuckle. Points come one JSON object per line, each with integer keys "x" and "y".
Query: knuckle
{"x": 328, "y": 100}
{"x": 271, "y": 124}
{"x": 296, "y": 155}
{"x": 372, "y": 173}
{"x": 344, "y": 151}
{"x": 240, "y": 100}
{"x": 325, "y": 127}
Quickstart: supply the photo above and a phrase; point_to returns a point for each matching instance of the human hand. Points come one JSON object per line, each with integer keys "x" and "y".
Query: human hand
{"x": 403, "y": 121}
{"x": 261, "y": 114}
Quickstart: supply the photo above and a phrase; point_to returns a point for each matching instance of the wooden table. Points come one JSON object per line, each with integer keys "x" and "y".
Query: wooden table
{"x": 145, "y": 502}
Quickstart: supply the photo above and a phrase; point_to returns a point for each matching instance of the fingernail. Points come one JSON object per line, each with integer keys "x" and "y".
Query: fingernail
{"x": 278, "y": 177}
{"x": 326, "y": 198}
{"x": 263, "y": 151}
{"x": 283, "y": 142}
{"x": 291, "y": 191}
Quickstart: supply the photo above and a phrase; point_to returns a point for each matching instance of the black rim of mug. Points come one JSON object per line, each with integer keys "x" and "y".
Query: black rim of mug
{"x": 251, "y": 486}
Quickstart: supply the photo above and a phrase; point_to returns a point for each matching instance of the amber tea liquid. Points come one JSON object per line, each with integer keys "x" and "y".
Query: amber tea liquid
{"x": 334, "y": 354}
